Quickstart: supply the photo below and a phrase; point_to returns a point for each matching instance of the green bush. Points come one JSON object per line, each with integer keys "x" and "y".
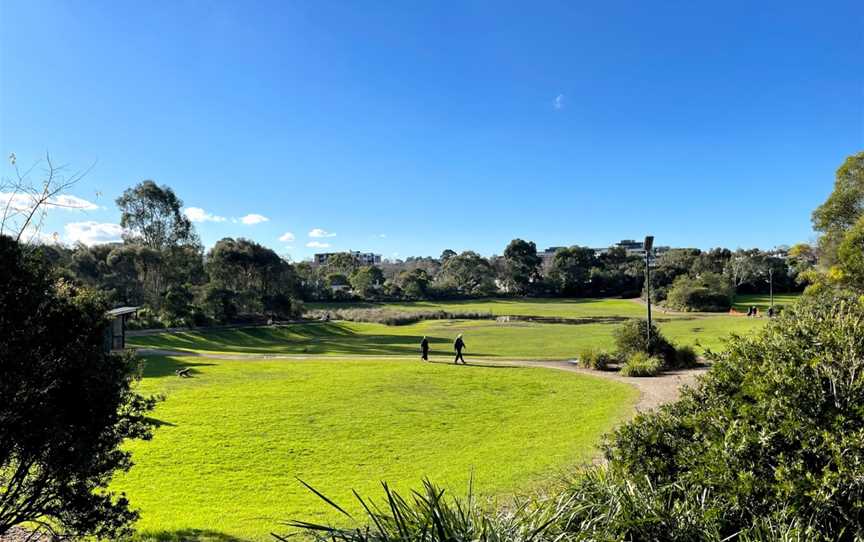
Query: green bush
{"x": 709, "y": 292}
{"x": 773, "y": 436}
{"x": 593, "y": 358}
{"x": 631, "y": 337}
{"x": 685, "y": 357}
{"x": 641, "y": 364}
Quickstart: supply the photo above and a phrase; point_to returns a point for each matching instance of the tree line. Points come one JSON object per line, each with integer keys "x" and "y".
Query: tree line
{"x": 162, "y": 266}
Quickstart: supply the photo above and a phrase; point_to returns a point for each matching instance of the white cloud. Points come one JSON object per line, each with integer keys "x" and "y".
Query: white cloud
{"x": 93, "y": 233}
{"x": 319, "y": 233}
{"x": 25, "y": 202}
{"x": 558, "y": 102}
{"x": 382, "y": 236}
{"x": 197, "y": 214}
{"x": 287, "y": 237}
{"x": 317, "y": 244}
{"x": 253, "y": 218}
{"x": 36, "y": 237}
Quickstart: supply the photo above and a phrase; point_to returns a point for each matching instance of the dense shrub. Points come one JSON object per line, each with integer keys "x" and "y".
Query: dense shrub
{"x": 594, "y": 358}
{"x": 641, "y": 364}
{"x": 774, "y": 433}
{"x": 685, "y": 357}
{"x": 709, "y": 292}
{"x": 631, "y": 337}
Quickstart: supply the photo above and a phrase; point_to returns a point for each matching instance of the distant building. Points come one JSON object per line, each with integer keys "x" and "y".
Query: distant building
{"x": 548, "y": 255}
{"x": 634, "y": 248}
{"x": 364, "y": 258}
{"x": 630, "y": 246}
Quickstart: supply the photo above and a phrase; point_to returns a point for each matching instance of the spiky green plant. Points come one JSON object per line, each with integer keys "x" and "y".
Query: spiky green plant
{"x": 428, "y": 516}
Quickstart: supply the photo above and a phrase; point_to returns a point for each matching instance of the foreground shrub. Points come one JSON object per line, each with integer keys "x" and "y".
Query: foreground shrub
{"x": 66, "y": 405}
{"x": 631, "y": 338}
{"x": 774, "y": 432}
{"x": 641, "y": 364}
{"x": 429, "y": 516}
{"x": 596, "y": 359}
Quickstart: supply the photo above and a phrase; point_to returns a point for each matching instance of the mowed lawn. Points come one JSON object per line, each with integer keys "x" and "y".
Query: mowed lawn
{"x": 484, "y": 338}
{"x": 557, "y": 307}
{"x": 762, "y": 301}
{"x": 223, "y": 464}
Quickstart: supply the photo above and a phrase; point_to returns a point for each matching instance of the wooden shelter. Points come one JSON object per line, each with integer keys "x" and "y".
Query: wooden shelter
{"x": 115, "y": 334}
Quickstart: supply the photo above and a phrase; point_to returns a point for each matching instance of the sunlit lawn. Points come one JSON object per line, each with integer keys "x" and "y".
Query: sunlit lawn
{"x": 557, "y": 307}
{"x": 484, "y": 338}
{"x": 222, "y": 466}
{"x": 762, "y": 302}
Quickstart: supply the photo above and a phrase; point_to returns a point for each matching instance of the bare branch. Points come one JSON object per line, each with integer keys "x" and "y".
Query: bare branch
{"x": 27, "y": 202}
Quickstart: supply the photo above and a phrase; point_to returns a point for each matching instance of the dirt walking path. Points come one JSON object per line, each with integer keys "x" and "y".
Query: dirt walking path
{"x": 653, "y": 391}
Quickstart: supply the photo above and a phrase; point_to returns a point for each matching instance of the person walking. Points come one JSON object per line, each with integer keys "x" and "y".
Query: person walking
{"x": 424, "y": 349}
{"x": 459, "y": 344}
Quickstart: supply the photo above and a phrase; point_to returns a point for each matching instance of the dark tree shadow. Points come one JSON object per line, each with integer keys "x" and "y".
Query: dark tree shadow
{"x": 155, "y": 422}
{"x": 476, "y": 364}
{"x": 159, "y": 366}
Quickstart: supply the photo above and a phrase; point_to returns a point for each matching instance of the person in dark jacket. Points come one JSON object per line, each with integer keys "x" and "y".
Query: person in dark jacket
{"x": 424, "y": 349}
{"x": 459, "y": 345}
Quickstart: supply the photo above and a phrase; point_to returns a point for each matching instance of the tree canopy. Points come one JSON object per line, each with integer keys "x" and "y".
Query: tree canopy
{"x": 151, "y": 215}
{"x": 67, "y": 406}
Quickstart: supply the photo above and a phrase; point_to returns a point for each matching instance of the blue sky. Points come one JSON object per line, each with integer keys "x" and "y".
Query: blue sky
{"x": 410, "y": 127}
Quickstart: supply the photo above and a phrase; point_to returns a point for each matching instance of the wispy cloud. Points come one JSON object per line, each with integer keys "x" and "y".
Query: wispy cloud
{"x": 558, "y": 102}
{"x": 197, "y": 214}
{"x": 253, "y": 218}
{"x": 287, "y": 237}
{"x": 317, "y": 244}
{"x": 319, "y": 233}
{"x": 93, "y": 233}
{"x": 382, "y": 236}
{"x": 23, "y": 202}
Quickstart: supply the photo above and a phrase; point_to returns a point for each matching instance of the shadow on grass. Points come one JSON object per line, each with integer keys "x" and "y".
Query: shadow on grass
{"x": 155, "y": 422}
{"x": 188, "y": 535}
{"x": 476, "y": 364}
{"x": 334, "y": 338}
{"x": 158, "y": 366}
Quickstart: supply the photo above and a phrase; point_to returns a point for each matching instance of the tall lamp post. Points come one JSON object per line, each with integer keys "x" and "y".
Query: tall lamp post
{"x": 649, "y": 244}
{"x": 771, "y": 286}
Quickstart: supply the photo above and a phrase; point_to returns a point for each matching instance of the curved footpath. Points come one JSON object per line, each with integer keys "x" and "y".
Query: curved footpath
{"x": 654, "y": 391}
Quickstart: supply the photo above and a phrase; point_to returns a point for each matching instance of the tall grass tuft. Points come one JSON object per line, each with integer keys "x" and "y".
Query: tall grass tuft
{"x": 428, "y": 516}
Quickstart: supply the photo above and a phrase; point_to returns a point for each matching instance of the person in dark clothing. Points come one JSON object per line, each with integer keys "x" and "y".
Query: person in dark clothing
{"x": 459, "y": 345}
{"x": 424, "y": 349}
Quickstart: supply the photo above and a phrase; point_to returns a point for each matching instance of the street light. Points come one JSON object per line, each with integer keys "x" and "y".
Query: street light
{"x": 771, "y": 287}
{"x": 648, "y": 245}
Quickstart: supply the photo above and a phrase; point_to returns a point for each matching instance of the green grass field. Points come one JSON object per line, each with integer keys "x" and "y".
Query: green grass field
{"x": 762, "y": 302}
{"x": 361, "y": 409}
{"x": 560, "y": 308}
{"x": 222, "y": 465}
{"x": 484, "y": 338}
